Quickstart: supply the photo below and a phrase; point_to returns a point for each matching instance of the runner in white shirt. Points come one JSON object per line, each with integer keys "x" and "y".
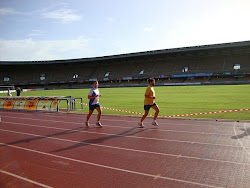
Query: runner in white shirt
{"x": 9, "y": 93}
{"x": 93, "y": 97}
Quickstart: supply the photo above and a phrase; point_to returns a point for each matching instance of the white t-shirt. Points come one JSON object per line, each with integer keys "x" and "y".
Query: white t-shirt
{"x": 94, "y": 92}
{"x": 9, "y": 93}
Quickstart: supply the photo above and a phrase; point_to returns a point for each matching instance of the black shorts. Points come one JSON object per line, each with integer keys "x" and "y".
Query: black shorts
{"x": 147, "y": 107}
{"x": 94, "y": 106}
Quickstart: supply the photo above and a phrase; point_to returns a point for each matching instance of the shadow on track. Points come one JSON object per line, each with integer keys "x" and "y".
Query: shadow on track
{"x": 100, "y": 140}
{"x": 77, "y": 129}
{"x": 245, "y": 133}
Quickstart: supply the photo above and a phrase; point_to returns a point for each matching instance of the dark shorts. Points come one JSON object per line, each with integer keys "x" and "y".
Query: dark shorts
{"x": 92, "y": 107}
{"x": 147, "y": 107}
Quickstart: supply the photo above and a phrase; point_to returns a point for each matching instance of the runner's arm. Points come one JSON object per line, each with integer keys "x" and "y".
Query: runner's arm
{"x": 92, "y": 97}
{"x": 150, "y": 97}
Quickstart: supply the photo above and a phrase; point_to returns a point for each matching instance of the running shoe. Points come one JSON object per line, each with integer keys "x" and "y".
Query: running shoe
{"x": 141, "y": 124}
{"x": 87, "y": 124}
{"x": 155, "y": 123}
{"x": 99, "y": 124}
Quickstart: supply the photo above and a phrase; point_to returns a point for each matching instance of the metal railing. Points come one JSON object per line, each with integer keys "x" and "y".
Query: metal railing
{"x": 40, "y": 103}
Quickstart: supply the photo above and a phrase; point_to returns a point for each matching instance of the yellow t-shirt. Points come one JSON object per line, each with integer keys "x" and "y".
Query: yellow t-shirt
{"x": 150, "y": 92}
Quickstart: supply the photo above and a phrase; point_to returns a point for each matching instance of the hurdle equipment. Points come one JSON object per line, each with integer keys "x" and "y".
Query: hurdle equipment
{"x": 50, "y": 104}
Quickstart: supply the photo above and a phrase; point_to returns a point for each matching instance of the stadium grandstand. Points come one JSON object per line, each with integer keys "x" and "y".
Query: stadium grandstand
{"x": 227, "y": 63}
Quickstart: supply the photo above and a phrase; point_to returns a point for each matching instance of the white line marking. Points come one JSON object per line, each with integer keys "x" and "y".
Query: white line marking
{"x": 117, "y": 135}
{"x": 109, "y": 167}
{"x": 241, "y": 142}
{"x": 123, "y": 127}
{"x": 244, "y": 149}
{"x": 186, "y": 123}
{"x": 120, "y": 148}
{"x": 77, "y": 116}
{"x": 25, "y": 179}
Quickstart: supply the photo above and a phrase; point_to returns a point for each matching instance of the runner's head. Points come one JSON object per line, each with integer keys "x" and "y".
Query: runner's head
{"x": 95, "y": 84}
{"x": 151, "y": 81}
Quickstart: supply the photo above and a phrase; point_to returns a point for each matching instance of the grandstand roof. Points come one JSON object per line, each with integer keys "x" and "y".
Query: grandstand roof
{"x": 204, "y": 50}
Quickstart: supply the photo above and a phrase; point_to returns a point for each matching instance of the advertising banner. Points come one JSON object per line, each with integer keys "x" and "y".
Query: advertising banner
{"x": 31, "y": 105}
{"x": 8, "y": 104}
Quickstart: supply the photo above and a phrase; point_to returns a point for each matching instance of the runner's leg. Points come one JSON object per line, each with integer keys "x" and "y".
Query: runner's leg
{"x": 88, "y": 116}
{"x": 157, "y": 110}
{"x": 145, "y": 115}
{"x": 99, "y": 110}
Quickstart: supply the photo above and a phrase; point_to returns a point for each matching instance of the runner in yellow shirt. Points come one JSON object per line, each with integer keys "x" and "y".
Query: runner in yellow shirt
{"x": 149, "y": 102}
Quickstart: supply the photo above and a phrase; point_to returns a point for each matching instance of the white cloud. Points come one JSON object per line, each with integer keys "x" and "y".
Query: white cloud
{"x": 35, "y": 33}
{"x": 63, "y": 15}
{"x": 148, "y": 29}
{"x": 6, "y": 11}
{"x": 32, "y": 50}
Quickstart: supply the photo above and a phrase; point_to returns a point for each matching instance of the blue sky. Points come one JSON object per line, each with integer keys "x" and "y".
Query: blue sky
{"x": 69, "y": 29}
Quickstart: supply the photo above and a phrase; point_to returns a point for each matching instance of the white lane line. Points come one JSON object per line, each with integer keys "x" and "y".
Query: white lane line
{"x": 123, "y": 127}
{"x": 99, "y": 145}
{"x": 238, "y": 139}
{"x": 121, "y": 135}
{"x": 109, "y": 167}
{"x": 199, "y": 122}
{"x": 244, "y": 150}
{"x": 121, "y": 148}
{"x": 187, "y": 123}
{"x": 25, "y": 179}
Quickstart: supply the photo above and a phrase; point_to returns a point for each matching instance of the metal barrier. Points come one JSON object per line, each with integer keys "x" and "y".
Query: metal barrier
{"x": 39, "y": 103}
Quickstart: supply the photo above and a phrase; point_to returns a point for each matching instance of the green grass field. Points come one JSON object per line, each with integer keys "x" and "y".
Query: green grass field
{"x": 172, "y": 100}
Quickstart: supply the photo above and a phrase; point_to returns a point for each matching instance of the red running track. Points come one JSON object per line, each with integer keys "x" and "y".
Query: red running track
{"x": 57, "y": 150}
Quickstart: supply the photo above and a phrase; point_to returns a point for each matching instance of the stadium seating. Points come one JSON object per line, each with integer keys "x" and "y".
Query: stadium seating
{"x": 121, "y": 68}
